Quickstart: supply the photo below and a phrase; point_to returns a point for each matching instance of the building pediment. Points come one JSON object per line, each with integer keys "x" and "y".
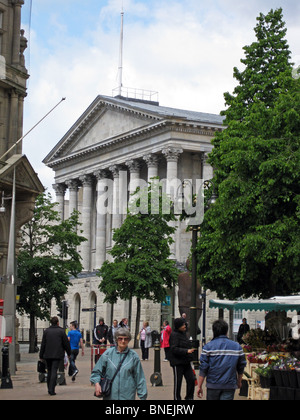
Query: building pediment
{"x": 113, "y": 120}
{"x": 102, "y": 122}
{"x": 27, "y": 181}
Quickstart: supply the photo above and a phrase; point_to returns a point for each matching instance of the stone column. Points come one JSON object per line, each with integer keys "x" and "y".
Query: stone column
{"x": 73, "y": 195}
{"x": 207, "y": 169}
{"x": 172, "y": 155}
{"x": 20, "y": 123}
{"x": 116, "y": 216}
{"x": 134, "y": 169}
{"x": 60, "y": 190}
{"x": 100, "y": 175}
{"x": 152, "y": 163}
{"x": 16, "y": 31}
{"x": 13, "y": 119}
{"x": 87, "y": 183}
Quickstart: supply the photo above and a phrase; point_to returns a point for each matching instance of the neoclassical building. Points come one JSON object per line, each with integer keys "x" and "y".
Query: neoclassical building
{"x": 124, "y": 142}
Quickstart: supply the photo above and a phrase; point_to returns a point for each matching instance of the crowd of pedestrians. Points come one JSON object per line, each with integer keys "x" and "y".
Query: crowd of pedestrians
{"x": 222, "y": 361}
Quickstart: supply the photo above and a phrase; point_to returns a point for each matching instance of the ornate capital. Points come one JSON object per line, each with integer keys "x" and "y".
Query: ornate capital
{"x": 101, "y": 174}
{"x": 151, "y": 160}
{"x": 133, "y": 165}
{"x": 86, "y": 180}
{"x": 72, "y": 184}
{"x": 60, "y": 189}
{"x": 115, "y": 170}
{"x": 172, "y": 153}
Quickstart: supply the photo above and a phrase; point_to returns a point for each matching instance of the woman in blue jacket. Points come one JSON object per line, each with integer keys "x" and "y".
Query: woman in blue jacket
{"x": 130, "y": 379}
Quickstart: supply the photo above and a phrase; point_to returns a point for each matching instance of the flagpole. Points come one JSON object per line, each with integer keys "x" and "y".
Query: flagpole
{"x": 20, "y": 139}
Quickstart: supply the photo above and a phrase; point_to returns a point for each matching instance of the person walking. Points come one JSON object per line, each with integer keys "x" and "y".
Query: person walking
{"x": 130, "y": 379}
{"x": 54, "y": 345}
{"x": 222, "y": 363}
{"x": 112, "y": 331}
{"x": 165, "y": 339}
{"x": 124, "y": 323}
{"x": 100, "y": 333}
{"x": 180, "y": 357}
{"x": 145, "y": 340}
{"x": 243, "y": 329}
{"x": 75, "y": 339}
{"x": 100, "y": 337}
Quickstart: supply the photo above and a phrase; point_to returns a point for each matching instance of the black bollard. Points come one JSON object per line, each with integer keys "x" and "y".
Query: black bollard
{"x": 6, "y": 382}
{"x": 156, "y": 377}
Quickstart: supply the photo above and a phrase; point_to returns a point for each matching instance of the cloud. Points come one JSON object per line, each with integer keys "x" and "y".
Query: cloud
{"x": 184, "y": 49}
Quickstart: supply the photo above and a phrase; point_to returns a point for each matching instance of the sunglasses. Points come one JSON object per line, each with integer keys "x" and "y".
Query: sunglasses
{"x": 123, "y": 339}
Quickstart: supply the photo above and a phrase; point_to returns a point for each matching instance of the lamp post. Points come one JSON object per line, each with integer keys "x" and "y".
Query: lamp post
{"x": 9, "y": 307}
{"x": 195, "y": 228}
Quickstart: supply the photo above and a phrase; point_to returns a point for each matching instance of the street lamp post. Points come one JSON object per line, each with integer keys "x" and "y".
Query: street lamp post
{"x": 193, "y": 307}
{"x": 9, "y": 308}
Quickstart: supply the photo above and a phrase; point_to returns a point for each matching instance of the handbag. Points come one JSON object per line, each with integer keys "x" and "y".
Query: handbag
{"x": 106, "y": 383}
{"x": 41, "y": 366}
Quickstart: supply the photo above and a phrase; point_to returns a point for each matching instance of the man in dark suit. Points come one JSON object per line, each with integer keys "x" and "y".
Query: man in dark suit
{"x": 54, "y": 345}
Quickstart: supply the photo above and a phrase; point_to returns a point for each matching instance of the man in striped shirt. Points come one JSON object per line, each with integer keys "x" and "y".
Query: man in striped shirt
{"x": 222, "y": 363}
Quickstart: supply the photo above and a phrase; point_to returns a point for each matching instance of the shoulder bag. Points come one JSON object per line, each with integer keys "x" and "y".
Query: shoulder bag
{"x": 106, "y": 383}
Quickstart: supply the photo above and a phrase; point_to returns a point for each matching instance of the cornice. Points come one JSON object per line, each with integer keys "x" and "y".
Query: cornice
{"x": 136, "y": 135}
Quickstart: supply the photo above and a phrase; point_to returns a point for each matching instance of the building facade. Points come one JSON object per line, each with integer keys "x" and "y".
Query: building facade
{"x": 122, "y": 143}
{"x": 19, "y": 184}
{"x": 13, "y": 79}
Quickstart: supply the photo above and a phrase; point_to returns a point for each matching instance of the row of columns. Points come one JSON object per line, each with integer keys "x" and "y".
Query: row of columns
{"x": 87, "y": 182}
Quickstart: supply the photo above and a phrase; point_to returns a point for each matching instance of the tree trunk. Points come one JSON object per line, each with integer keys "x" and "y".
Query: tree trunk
{"x": 137, "y": 322}
{"x": 32, "y": 348}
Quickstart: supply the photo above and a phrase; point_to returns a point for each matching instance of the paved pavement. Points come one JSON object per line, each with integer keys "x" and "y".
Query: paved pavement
{"x": 26, "y": 385}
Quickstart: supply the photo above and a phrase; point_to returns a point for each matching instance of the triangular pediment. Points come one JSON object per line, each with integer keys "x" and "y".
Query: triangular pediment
{"x": 27, "y": 180}
{"x": 103, "y": 121}
{"x": 109, "y": 124}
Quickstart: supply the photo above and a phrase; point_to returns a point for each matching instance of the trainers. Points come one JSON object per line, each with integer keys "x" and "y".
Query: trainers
{"x": 74, "y": 375}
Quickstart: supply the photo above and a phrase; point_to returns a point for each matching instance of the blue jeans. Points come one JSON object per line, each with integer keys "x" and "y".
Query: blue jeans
{"x": 220, "y": 394}
{"x": 72, "y": 366}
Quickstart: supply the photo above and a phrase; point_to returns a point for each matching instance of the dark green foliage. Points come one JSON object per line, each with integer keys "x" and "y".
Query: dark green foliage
{"x": 141, "y": 252}
{"x": 250, "y": 239}
{"x": 47, "y": 258}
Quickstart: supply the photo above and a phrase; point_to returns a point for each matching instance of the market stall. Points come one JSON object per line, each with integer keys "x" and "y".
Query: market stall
{"x": 273, "y": 354}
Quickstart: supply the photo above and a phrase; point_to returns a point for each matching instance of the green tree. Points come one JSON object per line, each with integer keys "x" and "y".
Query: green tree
{"x": 250, "y": 239}
{"x": 47, "y": 259}
{"x": 142, "y": 267}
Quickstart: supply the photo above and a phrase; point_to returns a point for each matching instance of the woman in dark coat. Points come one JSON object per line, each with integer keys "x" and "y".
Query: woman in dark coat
{"x": 180, "y": 356}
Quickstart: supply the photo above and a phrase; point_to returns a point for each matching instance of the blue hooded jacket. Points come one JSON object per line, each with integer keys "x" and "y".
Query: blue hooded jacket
{"x": 220, "y": 362}
{"x": 129, "y": 381}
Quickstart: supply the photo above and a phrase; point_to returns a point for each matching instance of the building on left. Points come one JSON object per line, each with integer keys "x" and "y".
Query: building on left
{"x": 13, "y": 82}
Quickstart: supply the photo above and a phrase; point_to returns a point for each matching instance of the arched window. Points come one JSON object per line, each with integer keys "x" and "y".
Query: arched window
{"x": 77, "y": 308}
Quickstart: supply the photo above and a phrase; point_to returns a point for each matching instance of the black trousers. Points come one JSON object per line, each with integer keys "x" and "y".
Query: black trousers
{"x": 145, "y": 351}
{"x": 185, "y": 371}
{"x": 52, "y": 368}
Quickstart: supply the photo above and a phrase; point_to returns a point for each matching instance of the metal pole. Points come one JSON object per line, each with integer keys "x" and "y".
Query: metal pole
{"x": 204, "y": 318}
{"x": 9, "y": 307}
{"x": 20, "y": 139}
{"x": 193, "y": 308}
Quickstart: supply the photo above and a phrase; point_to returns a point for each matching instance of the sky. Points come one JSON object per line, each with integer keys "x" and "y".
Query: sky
{"x": 183, "y": 49}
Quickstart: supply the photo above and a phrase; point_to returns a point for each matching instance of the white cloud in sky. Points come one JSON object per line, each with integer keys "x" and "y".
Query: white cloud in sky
{"x": 185, "y": 50}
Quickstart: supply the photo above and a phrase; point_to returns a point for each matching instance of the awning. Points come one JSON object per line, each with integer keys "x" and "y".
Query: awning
{"x": 278, "y": 303}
